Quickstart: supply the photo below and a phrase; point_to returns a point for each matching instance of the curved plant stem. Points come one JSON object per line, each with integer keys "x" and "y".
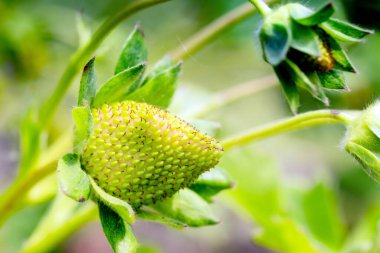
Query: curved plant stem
{"x": 231, "y": 94}
{"x": 304, "y": 120}
{"x": 9, "y": 200}
{"x": 79, "y": 59}
{"x": 52, "y": 231}
{"x": 212, "y": 30}
{"x": 261, "y": 6}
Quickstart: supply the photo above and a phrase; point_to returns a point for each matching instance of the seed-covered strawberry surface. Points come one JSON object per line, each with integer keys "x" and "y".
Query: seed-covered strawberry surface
{"x": 141, "y": 153}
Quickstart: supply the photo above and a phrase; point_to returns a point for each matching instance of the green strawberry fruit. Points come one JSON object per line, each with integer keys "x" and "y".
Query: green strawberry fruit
{"x": 141, "y": 153}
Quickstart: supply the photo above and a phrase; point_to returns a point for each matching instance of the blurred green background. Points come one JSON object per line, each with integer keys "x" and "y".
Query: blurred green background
{"x": 295, "y": 193}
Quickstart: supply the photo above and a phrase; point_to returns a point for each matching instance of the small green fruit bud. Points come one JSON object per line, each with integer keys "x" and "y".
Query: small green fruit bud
{"x": 363, "y": 140}
{"x": 141, "y": 153}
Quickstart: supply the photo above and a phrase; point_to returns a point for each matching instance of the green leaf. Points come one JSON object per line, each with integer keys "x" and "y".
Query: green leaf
{"x": 342, "y": 62}
{"x": 304, "y": 39}
{"x": 307, "y": 17}
{"x": 72, "y": 180}
{"x": 118, "y": 232}
{"x": 326, "y": 223}
{"x": 119, "y": 86}
{"x": 283, "y": 235}
{"x": 83, "y": 127}
{"x": 275, "y": 40}
{"x": 134, "y": 51}
{"x": 209, "y": 127}
{"x": 30, "y": 142}
{"x": 187, "y": 207}
{"x": 368, "y": 159}
{"x": 159, "y": 89}
{"x": 344, "y": 31}
{"x": 333, "y": 79}
{"x": 87, "y": 87}
{"x": 119, "y": 206}
{"x": 211, "y": 183}
{"x": 160, "y": 218}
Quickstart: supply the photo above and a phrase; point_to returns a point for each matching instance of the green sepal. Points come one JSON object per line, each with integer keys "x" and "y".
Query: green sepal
{"x": 87, "y": 87}
{"x": 321, "y": 94}
{"x": 342, "y": 62}
{"x": 187, "y": 207}
{"x": 159, "y": 89}
{"x": 305, "y": 40}
{"x": 160, "y": 218}
{"x": 30, "y": 141}
{"x": 83, "y": 126}
{"x": 307, "y": 17}
{"x": 275, "y": 40}
{"x": 208, "y": 127}
{"x": 119, "y": 86}
{"x": 118, "y": 232}
{"x": 163, "y": 64}
{"x": 333, "y": 79}
{"x": 291, "y": 77}
{"x": 366, "y": 157}
{"x": 121, "y": 207}
{"x": 211, "y": 183}
{"x": 72, "y": 180}
{"x": 344, "y": 31}
{"x": 288, "y": 87}
{"x": 134, "y": 51}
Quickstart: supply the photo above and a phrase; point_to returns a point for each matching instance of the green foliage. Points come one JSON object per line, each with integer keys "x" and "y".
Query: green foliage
{"x": 301, "y": 41}
{"x": 118, "y": 232}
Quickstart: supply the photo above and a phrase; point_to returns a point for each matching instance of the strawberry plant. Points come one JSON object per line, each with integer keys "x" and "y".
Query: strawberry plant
{"x": 130, "y": 154}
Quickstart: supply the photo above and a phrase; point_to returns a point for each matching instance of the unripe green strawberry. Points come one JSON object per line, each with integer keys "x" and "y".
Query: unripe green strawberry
{"x": 141, "y": 153}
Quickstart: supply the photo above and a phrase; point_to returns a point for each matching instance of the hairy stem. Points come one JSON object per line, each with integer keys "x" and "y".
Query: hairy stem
{"x": 211, "y": 31}
{"x": 304, "y": 120}
{"x": 232, "y": 94}
{"x": 261, "y": 6}
{"x": 80, "y": 58}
